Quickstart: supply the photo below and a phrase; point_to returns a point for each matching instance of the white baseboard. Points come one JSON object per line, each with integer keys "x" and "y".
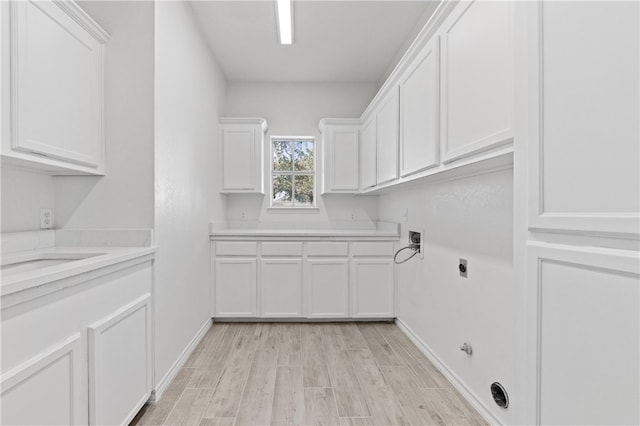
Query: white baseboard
{"x": 450, "y": 375}
{"x": 182, "y": 359}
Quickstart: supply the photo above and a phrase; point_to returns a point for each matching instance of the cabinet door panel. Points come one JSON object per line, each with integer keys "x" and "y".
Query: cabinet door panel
{"x": 281, "y": 288}
{"x": 368, "y": 154}
{"x": 373, "y": 289}
{"x": 586, "y": 334}
{"x": 477, "y": 78}
{"x": 584, "y": 152}
{"x": 327, "y": 286}
{"x": 54, "y": 379}
{"x": 57, "y": 83}
{"x": 343, "y": 160}
{"x": 120, "y": 363}
{"x": 419, "y": 103}
{"x": 387, "y": 133}
{"x": 235, "y": 288}
{"x": 239, "y": 154}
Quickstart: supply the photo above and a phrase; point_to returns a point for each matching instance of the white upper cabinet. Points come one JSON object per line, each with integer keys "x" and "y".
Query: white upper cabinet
{"x": 242, "y": 142}
{"x": 387, "y": 132}
{"x": 584, "y": 157}
{"x": 56, "y": 67}
{"x": 477, "y": 78}
{"x": 368, "y": 154}
{"x": 419, "y": 142}
{"x": 340, "y": 159}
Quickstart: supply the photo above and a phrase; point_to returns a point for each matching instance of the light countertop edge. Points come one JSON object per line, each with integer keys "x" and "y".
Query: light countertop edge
{"x": 109, "y": 256}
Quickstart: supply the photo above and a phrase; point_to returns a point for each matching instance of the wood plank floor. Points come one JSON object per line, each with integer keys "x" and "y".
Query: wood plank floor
{"x": 308, "y": 374}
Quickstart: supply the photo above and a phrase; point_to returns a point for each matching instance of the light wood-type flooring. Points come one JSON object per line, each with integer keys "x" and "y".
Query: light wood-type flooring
{"x": 308, "y": 374}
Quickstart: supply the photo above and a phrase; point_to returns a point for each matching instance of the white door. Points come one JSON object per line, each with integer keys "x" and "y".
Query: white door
{"x": 341, "y": 159}
{"x": 327, "y": 282}
{"x": 387, "y": 133}
{"x": 372, "y": 288}
{"x": 419, "y": 113}
{"x": 240, "y": 159}
{"x": 235, "y": 287}
{"x": 281, "y": 288}
{"x": 585, "y": 304}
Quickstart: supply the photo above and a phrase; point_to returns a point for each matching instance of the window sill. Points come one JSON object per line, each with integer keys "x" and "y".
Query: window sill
{"x": 293, "y": 209}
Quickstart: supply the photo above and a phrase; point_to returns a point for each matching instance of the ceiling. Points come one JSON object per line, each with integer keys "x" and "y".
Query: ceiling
{"x": 334, "y": 41}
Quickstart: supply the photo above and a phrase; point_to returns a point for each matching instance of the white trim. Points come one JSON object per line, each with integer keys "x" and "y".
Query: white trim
{"x": 449, "y": 374}
{"x": 164, "y": 383}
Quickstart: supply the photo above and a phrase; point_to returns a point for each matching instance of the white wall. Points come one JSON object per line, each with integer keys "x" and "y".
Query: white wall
{"x": 24, "y": 193}
{"x": 190, "y": 91}
{"x": 469, "y": 218}
{"x": 295, "y": 109}
{"x": 124, "y": 197}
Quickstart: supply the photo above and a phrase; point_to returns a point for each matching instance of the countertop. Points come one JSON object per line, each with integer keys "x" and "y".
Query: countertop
{"x": 378, "y": 230}
{"x": 14, "y": 282}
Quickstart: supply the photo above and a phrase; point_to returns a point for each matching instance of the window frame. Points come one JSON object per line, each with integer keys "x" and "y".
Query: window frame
{"x": 292, "y": 173}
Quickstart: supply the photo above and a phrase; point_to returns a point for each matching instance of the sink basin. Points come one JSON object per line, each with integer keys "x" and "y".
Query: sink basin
{"x": 42, "y": 260}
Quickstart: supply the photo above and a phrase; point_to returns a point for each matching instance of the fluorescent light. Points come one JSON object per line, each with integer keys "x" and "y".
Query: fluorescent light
{"x": 284, "y": 10}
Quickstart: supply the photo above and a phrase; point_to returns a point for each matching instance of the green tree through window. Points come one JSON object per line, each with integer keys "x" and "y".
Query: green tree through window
{"x": 293, "y": 165}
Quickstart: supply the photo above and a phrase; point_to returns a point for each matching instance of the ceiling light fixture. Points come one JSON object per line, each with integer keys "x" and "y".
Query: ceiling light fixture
{"x": 284, "y": 10}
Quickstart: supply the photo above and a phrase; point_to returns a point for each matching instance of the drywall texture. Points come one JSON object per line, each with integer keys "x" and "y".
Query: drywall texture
{"x": 189, "y": 92}
{"x": 124, "y": 197}
{"x": 471, "y": 219}
{"x": 24, "y": 193}
{"x": 295, "y": 109}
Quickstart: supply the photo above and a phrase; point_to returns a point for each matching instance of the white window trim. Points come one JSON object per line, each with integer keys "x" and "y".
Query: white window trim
{"x": 277, "y": 207}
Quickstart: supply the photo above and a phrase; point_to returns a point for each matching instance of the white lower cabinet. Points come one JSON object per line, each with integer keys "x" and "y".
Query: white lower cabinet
{"x": 80, "y": 354}
{"x": 320, "y": 279}
{"x": 372, "y": 288}
{"x": 328, "y": 287}
{"x": 120, "y": 363}
{"x": 235, "y": 289}
{"x": 281, "y": 288}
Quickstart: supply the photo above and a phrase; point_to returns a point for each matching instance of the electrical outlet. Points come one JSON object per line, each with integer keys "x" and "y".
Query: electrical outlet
{"x": 405, "y": 214}
{"x": 46, "y": 218}
{"x": 463, "y": 269}
{"x": 353, "y": 215}
{"x": 243, "y": 215}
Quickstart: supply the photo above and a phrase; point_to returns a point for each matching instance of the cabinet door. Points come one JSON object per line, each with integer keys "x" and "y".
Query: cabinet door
{"x": 328, "y": 288}
{"x": 341, "y": 159}
{"x": 584, "y": 328}
{"x": 235, "y": 287}
{"x": 242, "y": 159}
{"x": 57, "y": 85}
{"x": 584, "y": 156}
{"x": 281, "y": 288}
{"x": 372, "y": 288}
{"x": 477, "y": 78}
{"x": 47, "y": 389}
{"x": 387, "y": 133}
{"x": 419, "y": 140}
{"x": 368, "y": 154}
{"x": 120, "y": 364}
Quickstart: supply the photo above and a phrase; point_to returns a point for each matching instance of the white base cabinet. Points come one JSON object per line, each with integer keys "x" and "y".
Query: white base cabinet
{"x": 81, "y": 354}
{"x": 372, "y": 288}
{"x": 319, "y": 279}
{"x": 235, "y": 291}
{"x": 281, "y": 288}
{"x": 328, "y": 284}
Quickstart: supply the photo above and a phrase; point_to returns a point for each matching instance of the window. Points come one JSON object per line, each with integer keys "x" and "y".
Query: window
{"x": 292, "y": 172}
